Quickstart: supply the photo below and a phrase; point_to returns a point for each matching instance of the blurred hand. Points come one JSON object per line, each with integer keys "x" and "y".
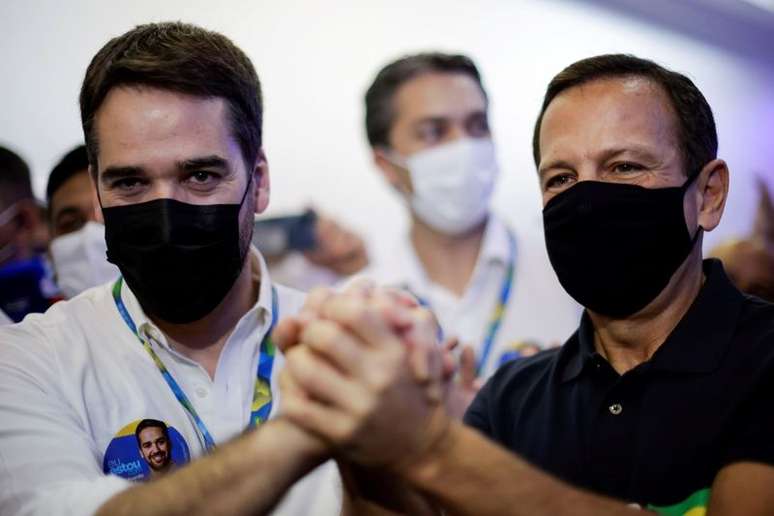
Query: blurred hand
{"x": 338, "y": 249}
{"x": 462, "y": 387}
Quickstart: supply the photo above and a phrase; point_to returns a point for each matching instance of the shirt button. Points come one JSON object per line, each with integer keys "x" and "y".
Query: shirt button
{"x": 201, "y": 392}
{"x": 615, "y": 409}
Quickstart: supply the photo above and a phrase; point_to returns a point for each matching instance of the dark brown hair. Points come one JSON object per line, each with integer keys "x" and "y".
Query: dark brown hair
{"x": 15, "y": 183}
{"x": 695, "y": 124}
{"x": 379, "y": 97}
{"x": 183, "y": 58}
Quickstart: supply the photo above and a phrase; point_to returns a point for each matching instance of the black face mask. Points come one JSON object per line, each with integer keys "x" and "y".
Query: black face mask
{"x": 179, "y": 259}
{"x": 615, "y": 246}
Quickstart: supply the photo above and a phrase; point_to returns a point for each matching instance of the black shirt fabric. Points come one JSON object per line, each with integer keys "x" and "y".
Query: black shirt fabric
{"x": 658, "y": 434}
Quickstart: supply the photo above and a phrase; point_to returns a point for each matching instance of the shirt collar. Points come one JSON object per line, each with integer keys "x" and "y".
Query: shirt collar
{"x": 495, "y": 247}
{"x": 259, "y": 271}
{"x": 696, "y": 345}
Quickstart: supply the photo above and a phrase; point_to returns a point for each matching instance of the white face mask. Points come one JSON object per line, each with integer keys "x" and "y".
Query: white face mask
{"x": 453, "y": 184}
{"x": 80, "y": 260}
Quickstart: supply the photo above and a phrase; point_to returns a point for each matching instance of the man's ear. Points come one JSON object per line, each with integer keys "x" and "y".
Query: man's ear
{"x": 712, "y": 191}
{"x": 397, "y": 176}
{"x": 262, "y": 188}
{"x": 28, "y": 215}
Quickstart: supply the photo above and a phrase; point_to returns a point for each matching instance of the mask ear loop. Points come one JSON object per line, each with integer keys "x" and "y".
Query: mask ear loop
{"x": 686, "y": 185}
{"x": 247, "y": 188}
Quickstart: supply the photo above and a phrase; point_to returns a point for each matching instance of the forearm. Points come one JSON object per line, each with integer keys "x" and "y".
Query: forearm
{"x": 470, "y": 475}
{"x": 244, "y": 477}
{"x": 374, "y": 492}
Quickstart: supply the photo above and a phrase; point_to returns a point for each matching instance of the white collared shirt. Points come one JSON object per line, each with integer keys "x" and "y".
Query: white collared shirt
{"x": 4, "y": 319}
{"x": 71, "y": 379}
{"x": 538, "y": 311}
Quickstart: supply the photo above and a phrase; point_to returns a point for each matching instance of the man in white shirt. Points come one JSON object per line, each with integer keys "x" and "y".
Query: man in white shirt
{"x": 172, "y": 118}
{"x": 427, "y": 122}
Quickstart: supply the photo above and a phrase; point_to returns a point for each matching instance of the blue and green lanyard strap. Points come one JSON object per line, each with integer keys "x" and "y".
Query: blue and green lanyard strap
{"x": 262, "y": 397}
{"x": 496, "y": 319}
{"x": 498, "y": 313}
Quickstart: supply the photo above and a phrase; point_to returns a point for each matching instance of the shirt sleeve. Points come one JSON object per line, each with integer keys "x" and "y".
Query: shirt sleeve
{"x": 48, "y": 460}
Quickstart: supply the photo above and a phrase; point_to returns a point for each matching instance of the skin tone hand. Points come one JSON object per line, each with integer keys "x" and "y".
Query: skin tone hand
{"x": 460, "y": 391}
{"x": 338, "y": 249}
{"x": 369, "y": 375}
{"x": 460, "y": 383}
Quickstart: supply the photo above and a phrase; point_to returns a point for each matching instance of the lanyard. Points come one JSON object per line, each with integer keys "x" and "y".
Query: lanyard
{"x": 262, "y": 397}
{"x": 499, "y": 311}
{"x": 502, "y": 302}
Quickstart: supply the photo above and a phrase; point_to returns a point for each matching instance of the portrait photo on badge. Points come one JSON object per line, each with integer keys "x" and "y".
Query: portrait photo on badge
{"x": 145, "y": 449}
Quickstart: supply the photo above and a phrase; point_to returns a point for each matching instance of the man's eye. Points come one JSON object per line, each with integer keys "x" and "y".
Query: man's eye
{"x": 430, "y": 133}
{"x": 478, "y": 127}
{"x": 558, "y": 181}
{"x": 70, "y": 225}
{"x": 126, "y": 183}
{"x": 627, "y": 167}
{"x": 202, "y": 177}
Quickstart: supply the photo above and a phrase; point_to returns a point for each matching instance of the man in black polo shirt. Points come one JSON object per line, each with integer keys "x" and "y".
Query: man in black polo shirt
{"x": 661, "y": 399}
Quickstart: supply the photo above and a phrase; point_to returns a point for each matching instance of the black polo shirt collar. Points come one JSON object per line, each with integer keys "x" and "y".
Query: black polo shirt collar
{"x": 696, "y": 345}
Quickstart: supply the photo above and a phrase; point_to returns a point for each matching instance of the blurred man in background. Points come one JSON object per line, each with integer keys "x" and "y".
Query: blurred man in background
{"x": 26, "y": 285}
{"x": 428, "y": 125}
{"x": 78, "y": 249}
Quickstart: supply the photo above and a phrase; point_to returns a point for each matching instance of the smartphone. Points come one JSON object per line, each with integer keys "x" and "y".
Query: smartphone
{"x": 277, "y": 236}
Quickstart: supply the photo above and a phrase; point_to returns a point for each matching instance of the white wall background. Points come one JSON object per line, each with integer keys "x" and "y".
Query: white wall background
{"x": 316, "y": 59}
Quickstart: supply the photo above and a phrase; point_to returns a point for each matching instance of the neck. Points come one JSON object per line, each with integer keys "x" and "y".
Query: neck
{"x": 156, "y": 473}
{"x": 448, "y": 260}
{"x": 203, "y": 340}
{"x": 626, "y": 343}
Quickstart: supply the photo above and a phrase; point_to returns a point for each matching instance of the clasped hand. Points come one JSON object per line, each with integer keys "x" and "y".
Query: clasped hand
{"x": 365, "y": 373}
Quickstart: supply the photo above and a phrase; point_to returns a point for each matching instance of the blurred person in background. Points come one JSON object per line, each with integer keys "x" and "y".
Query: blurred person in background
{"x": 750, "y": 261}
{"x": 427, "y": 122}
{"x": 78, "y": 250}
{"x": 26, "y": 284}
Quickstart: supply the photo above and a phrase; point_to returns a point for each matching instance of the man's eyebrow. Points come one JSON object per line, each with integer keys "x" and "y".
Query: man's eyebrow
{"x": 212, "y": 161}
{"x": 431, "y": 119}
{"x": 113, "y": 173}
{"x": 557, "y": 163}
{"x": 637, "y": 151}
{"x": 67, "y": 210}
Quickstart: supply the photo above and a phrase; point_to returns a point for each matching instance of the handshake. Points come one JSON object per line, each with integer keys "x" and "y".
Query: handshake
{"x": 367, "y": 378}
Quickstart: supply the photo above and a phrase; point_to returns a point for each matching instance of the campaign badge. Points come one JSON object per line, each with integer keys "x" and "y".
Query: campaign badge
{"x": 145, "y": 449}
